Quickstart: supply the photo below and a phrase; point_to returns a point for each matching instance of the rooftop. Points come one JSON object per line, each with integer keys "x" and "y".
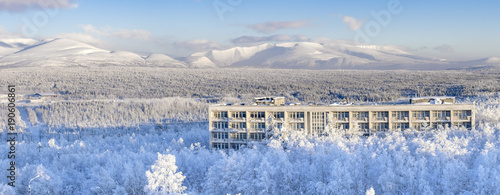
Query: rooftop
{"x": 280, "y": 101}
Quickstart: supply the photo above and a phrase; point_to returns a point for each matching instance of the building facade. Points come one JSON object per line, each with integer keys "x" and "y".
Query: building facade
{"x": 232, "y": 126}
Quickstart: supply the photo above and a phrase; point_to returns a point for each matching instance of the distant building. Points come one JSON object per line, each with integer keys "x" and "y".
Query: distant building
{"x": 232, "y": 126}
{"x": 43, "y": 95}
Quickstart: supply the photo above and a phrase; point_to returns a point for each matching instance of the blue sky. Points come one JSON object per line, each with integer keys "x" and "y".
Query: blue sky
{"x": 448, "y": 29}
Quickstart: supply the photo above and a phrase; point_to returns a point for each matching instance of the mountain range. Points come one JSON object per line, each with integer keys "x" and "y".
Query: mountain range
{"x": 23, "y": 52}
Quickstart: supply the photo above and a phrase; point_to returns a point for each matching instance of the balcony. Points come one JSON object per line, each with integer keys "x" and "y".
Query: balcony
{"x": 257, "y": 130}
{"x": 442, "y": 119}
{"x": 379, "y": 119}
{"x": 237, "y": 129}
{"x": 237, "y": 119}
{"x": 464, "y": 119}
{"x": 238, "y": 140}
{"x": 296, "y": 120}
{"x": 420, "y": 119}
{"x": 279, "y": 119}
{"x": 218, "y": 118}
{"x": 218, "y": 140}
{"x": 256, "y": 140}
{"x": 400, "y": 119}
{"x": 341, "y": 120}
{"x": 363, "y": 119}
{"x": 257, "y": 120}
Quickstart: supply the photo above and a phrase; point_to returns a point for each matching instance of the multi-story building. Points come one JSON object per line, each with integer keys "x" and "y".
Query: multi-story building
{"x": 232, "y": 126}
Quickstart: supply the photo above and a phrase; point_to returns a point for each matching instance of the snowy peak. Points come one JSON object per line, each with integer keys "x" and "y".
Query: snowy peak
{"x": 324, "y": 54}
{"x": 11, "y": 45}
{"x": 162, "y": 60}
{"x": 310, "y": 55}
{"x": 223, "y": 58}
{"x": 67, "y": 53}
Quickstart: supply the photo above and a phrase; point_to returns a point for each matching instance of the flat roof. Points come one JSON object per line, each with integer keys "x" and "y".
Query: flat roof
{"x": 389, "y": 107}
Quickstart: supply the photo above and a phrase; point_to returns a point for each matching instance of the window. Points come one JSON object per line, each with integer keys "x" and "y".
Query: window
{"x": 340, "y": 116}
{"x": 318, "y": 121}
{"x": 466, "y": 125}
{"x": 220, "y": 114}
{"x": 278, "y": 114}
{"x": 219, "y": 135}
{"x": 296, "y": 115}
{"x": 441, "y": 115}
{"x": 420, "y": 115}
{"x": 258, "y": 115}
{"x": 239, "y": 125}
{"x": 380, "y": 126}
{"x": 219, "y": 125}
{"x": 437, "y": 125}
{"x": 220, "y": 145}
{"x": 238, "y": 136}
{"x": 279, "y": 125}
{"x": 360, "y": 116}
{"x": 239, "y": 114}
{"x": 257, "y": 136}
{"x": 400, "y": 115}
{"x": 297, "y": 126}
{"x": 363, "y": 126}
{"x": 237, "y": 146}
{"x": 342, "y": 125}
{"x": 380, "y": 115}
{"x": 258, "y": 125}
{"x": 462, "y": 114}
{"x": 401, "y": 126}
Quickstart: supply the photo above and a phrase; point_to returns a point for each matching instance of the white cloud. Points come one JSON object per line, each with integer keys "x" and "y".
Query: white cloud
{"x": 269, "y": 27}
{"x": 252, "y": 40}
{"x": 198, "y": 45}
{"x": 22, "y": 5}
{"x": 445, "y": 48}
{"x": 122, "y": 33}
{"x": 6, "y": 34}
{"x": 352, "y": 23}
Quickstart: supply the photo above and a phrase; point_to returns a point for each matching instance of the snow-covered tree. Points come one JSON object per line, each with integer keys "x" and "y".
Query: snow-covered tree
{"x": 163, "y": 177}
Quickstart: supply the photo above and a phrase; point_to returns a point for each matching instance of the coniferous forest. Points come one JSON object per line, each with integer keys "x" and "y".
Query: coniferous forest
{"x": 145, "y": 131}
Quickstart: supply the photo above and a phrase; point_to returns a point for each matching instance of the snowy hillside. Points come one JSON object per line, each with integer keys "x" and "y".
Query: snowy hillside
{"x": 312, "y": 55}
{"x": 327, "y": 54}
{"x": 162, "y": 60}
{"x": 66, "y": 53}
{"x": 11, "y": 45}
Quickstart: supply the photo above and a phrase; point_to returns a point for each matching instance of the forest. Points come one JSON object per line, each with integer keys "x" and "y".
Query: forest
{"x": 213, "y": 84}
{"x": 145, "y": 131}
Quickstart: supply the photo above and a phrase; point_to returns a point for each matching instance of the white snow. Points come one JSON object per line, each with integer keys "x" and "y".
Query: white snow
{"x": 323, "y": 54}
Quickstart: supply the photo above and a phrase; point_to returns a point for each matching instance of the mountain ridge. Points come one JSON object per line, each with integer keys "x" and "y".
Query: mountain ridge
{"x": 332, "y": 54}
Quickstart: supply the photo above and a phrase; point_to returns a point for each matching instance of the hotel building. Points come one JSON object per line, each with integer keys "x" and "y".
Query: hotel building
{"x": 232, "y": 126}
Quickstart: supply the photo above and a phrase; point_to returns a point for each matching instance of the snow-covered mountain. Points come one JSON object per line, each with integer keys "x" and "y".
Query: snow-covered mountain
{"x": 312, "y": 55}
{"x": 329, "y": 54}
{"x": 67, "y": 53}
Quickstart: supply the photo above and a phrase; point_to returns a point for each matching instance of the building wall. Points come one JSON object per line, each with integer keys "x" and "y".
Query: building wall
{"x": 239, "y": 125}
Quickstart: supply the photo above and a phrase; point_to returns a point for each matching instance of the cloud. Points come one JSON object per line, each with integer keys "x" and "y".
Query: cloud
{"x": 6, "y": 34}
{"x": 251, "y": 40}
{"x": 445, "y": 48}
{"x": 23, "y": 5}
{"x": 122, "y": 33}
{"x": 197, "y": 45}
{"x": 269, "y": 27}
{"x": 352, "y": 23}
